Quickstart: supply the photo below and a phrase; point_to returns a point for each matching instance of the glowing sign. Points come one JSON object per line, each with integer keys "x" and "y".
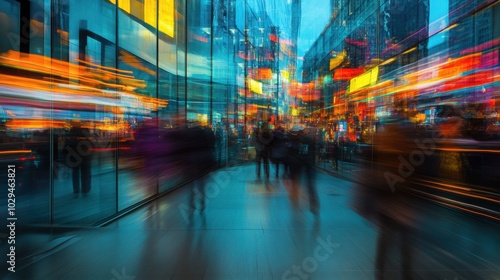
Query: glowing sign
{"x": 337, "y": 60}
{"x": 124, "y": 5}
{"x": 255, "y": 86}
{"x": 285, "y": 74}
{"x": 363, "y": 80}
{"x": 264, "y": 74}
{"x": 260, "y": 73}
{"x": 347, "y": 73}
{"x": 150, "y": 12}
{"x": 166, "y": 14}
{"x": 167, "y": 17}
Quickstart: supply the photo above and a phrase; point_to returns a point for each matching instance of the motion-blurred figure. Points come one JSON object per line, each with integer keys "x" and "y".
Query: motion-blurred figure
{"x": 261, "y": 139}
{"x": 201, "y": 157}
{"x": 301, "y": 159}
{"x": 279, "y": 150}
{"x": 150, "y": 150}
{"x": 233, "y": 146}
{"x": 79, "y": 157}
{"x": 336, "y": 154}
{"x": 219, "y": 142}
{"x": 384, "y": 197}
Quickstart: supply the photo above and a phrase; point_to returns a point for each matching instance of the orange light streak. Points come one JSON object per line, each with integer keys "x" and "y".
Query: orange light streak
{"x": 467, "y": 150}
{"x": 462, "y": 193}
{"x": 61, "y": 77}
{"x": 35, "y": 124}
{"x": 14, "y": 152}
{"x": 456, "y": 206}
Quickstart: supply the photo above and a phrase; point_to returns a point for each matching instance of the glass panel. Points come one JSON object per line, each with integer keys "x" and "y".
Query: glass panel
{"x": 172, "y": 55}
{"x": 131, "y": 90}
{"x": 27, "y": 139}
{"x": 85, "y": 186}
{"x": 199, "y": 72}
{"x": 137, "y": 57}
{"x": 221, "y": 79}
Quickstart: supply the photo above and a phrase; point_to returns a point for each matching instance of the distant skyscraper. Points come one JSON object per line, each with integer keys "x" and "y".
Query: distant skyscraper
{"x": 404, "y": 24}
{"x": 332, "y": 6}
{"x": 296, "y": 15}
{"x": 470, "y": 32}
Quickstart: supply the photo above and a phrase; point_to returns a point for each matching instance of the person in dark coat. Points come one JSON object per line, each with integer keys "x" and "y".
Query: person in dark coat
{"x": 219, "y": 143}
{"x": 261, "y": 139}
{"x": 79, "y": 157}
{"x": 201, "y": 156}
{"x": 336, "y": 154}
{"x": 385, "y": 199}
{"x": 279, "y": 150}
{"x": 301, "y": 158}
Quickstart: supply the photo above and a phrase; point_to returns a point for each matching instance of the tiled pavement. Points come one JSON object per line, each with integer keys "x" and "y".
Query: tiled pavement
{"x": 249, "y": 230}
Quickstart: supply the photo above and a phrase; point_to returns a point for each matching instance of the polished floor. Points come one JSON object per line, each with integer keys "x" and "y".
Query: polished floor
{"x": 250, "y": 230}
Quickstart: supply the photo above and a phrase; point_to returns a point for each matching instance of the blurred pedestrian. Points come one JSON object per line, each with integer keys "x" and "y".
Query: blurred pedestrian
{"x": 279, "y": 150}
{"x": 200, "y": 156}
{"x": 233, "y": 146}
{"x": 384, "y": 197}
{"x": 150, "y": 148}
{"x": 219, "y": 142}
{"x": 261, "y": 139}
{"x": 336, "y": 154}
{"x": 301, "y": 160}
{"x": 79, "y": 156}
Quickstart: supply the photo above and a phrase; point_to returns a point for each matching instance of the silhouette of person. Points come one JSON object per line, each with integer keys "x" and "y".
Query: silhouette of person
{"x": 301, "y": 160}
{"x": 261, "y": 139}
{"x": 219, "y": 142}
{"x": 279, "y": 150}
{"x": 385, "y": 198}
{"x": 336, "y": 154}
{"x": 151, "y": 148}
{"x": 79, "y": 157}
{"x": 200, "y": 156}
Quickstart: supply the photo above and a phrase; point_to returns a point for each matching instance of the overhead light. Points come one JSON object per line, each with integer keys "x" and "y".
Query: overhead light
{"x": 451, "y": 27}
{"x": 390, "y": 60}
{"x": 409, "y": 50}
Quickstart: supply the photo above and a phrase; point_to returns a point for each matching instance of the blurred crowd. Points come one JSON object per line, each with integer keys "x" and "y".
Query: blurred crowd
{"x": 295, "y": 151}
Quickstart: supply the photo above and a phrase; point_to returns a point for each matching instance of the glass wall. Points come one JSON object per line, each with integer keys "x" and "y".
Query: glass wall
{"x": 91, "y": 91}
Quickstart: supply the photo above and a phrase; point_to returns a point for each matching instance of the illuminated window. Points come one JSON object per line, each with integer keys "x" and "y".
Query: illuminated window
{"x": 167, "y": 17}
{"x": 150, "y": 12}
{"x": 124, "y": 5}
{"x": 166, "y": 13}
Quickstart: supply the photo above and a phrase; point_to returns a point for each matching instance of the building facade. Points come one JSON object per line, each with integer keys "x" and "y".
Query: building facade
{"x": 379, "y": 57}
{"x": 114, "y": 67}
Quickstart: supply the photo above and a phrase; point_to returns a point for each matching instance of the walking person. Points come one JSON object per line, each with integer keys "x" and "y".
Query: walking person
{"x": 261, "y": 139}
{"x": 302, "y": 154}
{"x": 79, "y": 157}
{"x": 219, "y": 143}
{"x": 279, "y": 150}
{"x": 200, "y": 155}
{"x": 386, "y": 201}
{"x": 336, "y": 154}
